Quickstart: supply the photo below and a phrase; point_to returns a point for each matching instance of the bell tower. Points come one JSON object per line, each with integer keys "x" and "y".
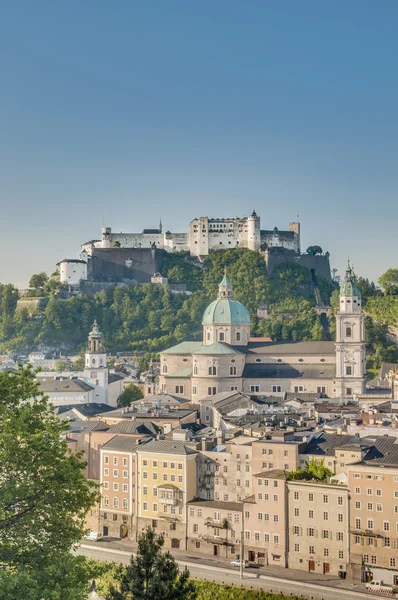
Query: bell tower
{"x": 350, "y": 339}
{"x": 95, "y": 355}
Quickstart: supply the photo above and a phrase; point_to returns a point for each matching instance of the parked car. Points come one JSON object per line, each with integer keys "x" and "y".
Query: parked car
{"x": 236, "y": 563}
{"x": 94, "y": 536}
{"x": 381, "y": 588}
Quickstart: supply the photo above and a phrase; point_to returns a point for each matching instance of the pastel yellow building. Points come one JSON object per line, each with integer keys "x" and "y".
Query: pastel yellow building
{"x": 166, "y": 481}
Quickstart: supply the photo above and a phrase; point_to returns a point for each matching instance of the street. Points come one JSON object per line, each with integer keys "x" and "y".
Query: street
{"x": 268, "y": 579}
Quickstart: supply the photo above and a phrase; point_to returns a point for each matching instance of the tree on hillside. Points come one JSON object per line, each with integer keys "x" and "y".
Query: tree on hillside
{"x": 314, "y": 250}
{"x": 38, "y": 281}
{"x": 44, "y": 497}
{"x": 153, "y": 574}
{"x": 389, "y": 281}
{"x": 130, "y": 394}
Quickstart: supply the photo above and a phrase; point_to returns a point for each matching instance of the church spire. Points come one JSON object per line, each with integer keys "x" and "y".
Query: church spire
{"x": 160, "y": 226}
{"x": 225, "y": 287}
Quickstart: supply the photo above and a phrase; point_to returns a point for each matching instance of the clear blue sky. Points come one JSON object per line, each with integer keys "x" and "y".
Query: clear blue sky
{"x": 123, "y": 112}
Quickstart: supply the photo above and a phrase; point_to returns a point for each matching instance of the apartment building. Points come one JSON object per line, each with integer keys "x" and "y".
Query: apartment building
{"x": 337, "y": 451}
{"x": 225, "y": 472}
{"x": 279, "y": 450}
{"x": 374, "y": 519}
{"x": 318, "y": 527}
{"x": 215, "y": 528}
{"x": 166, "y": 481}
{"x": 265, "y": 520}
{"x": 118, "y": 487}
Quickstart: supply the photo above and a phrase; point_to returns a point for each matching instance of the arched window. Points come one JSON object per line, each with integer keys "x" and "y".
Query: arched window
{"x": 116, "y": 503}
{"x": 106, "y": 501}
{"x": 348, "y": 332}
{"x": 238, "y": 336}
{"x": 232, "y": 370}
{"x": 164, "y": 368}
{"x": 125, "y": 503}
{"x": 213, "y": 370}
{"x": 195, "y": 370}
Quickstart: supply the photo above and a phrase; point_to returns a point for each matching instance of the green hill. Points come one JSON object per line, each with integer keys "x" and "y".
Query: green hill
{"x": 149, "y": 318}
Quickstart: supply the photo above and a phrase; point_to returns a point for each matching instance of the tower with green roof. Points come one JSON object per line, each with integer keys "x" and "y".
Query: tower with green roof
{"x": 96, "y": 370}
{"x": 350, "y": 339}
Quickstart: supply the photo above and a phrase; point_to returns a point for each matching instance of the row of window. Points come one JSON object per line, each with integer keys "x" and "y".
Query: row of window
{"x": 311, "y": 550}
{"x": 370, "y": 524}
{"x": 266, "y": 482}
{"x": 325, "y": 498}
{"x": 325, "y": 533}
{"x": 173, "y": 510}
{"x": 378, "y": 507}
{"x": 115, "y": 461}
{"x": 373, "y": 560}
{"x": 116, "y": 473}
{"x": 164, "y": 464}
{"x": 267, "y": 537}
{"x": 125, "y": 486}
{"x": 125, "y": 503}
{"x": 378, "y": 492}
{"x": 266, "y": 516}
{"x": 165, "y": 477}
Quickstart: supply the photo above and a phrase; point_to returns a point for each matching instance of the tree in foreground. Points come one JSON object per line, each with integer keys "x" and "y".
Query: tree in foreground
{"x": 44, "y": 497}
{"x": 152, "y": 574}
{"x": 130, "y": 394}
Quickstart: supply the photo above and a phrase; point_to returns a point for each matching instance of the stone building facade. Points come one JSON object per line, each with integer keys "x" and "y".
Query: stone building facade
{"x": 318, "y": 527}
{"x": 228, "y": 359}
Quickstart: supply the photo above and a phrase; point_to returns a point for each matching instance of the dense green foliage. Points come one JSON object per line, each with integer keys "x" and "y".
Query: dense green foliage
{"x": 130, "y": 394}
{"x": 44, "y": 497}
{"x": 312, "y": 471}
{"x": 314, "y": 250}
{"x": 389, "y": 281}
{"x": 149, "y": 318}
{"x": 151, "y": 575}
{"x": 213, "y": 591}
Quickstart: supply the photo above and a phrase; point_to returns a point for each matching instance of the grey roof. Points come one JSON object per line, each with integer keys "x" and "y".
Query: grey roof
{"x": 72, "y": 260}
{"x": 167, "y": 447}
{"x": 184, "y": 348}
{"x": 49, "y": 384}
{"x": 112, "y": 377}
{"x": 287, "y": 371}
{"x": 87, "y": 409}
{"x": 163, "y": 398}
{"x": 386, "y": 368}
{"x": 294, "y": 348}
{"x": 326, "y": 443}
{"x": 134, "y": 427}
{"x": 187, "y": 372}
{"x": 303, "y": 396}
{"x": 384, "y": 452}
{"x": 273, "y": 474}
{"x": 122, "y": 443}
{"x": 218, "y": 348}
{"x": 232, "y": 506}
{"x": 150, "y": 413}
{"x": 82, "y": 426}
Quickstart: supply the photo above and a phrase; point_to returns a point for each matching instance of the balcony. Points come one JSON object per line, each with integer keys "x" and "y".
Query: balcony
{"x": 168, "y": 494}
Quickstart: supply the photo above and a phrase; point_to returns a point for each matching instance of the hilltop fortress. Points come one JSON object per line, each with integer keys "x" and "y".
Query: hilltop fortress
{"x": 137, "y": 256}
{"x": 206, "y": 235}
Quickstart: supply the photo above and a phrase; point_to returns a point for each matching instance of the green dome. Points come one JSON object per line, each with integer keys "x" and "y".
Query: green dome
{"x": 226, "y": 311}
{"x": 349, "y": 286}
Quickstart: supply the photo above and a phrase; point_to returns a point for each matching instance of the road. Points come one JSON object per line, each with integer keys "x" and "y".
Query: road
{"x": 269, "y": 579}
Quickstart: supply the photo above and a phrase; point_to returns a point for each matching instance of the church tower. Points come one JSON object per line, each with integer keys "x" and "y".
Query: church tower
{"x": 96, "y": 370}
{"x": 350, "y": 339}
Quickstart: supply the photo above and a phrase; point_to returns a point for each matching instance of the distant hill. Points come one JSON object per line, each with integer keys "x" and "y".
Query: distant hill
{"x": 149, "y": 318}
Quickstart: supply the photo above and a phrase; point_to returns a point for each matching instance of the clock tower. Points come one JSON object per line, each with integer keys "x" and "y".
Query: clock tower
{"x": 96, "y": 371}
{"x": 350, "y": 339}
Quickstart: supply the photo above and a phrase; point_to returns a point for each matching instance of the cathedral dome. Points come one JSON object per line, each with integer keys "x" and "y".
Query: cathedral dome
{"x": 226, "y": 310}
